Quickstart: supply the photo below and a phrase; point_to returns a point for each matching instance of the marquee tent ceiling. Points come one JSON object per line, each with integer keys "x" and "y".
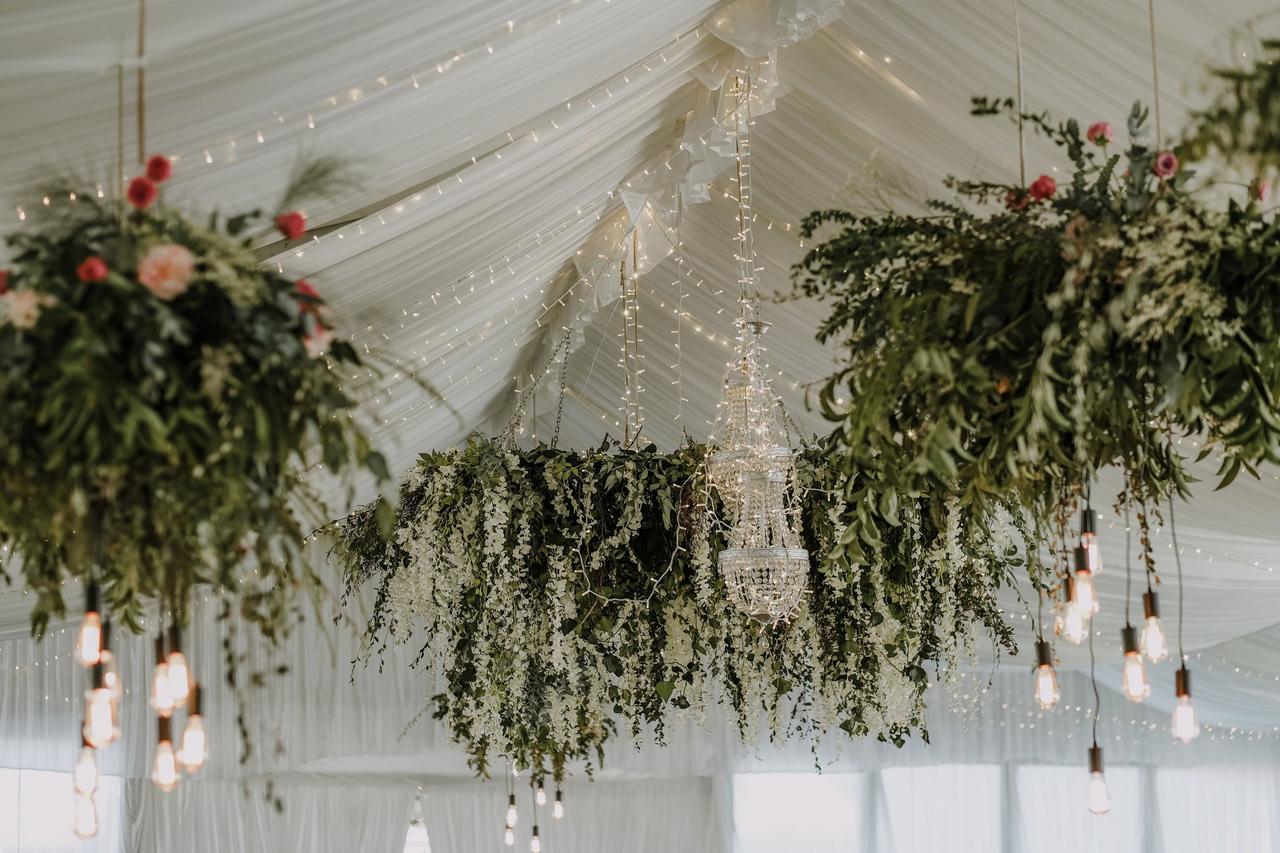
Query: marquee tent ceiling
{"x": 494, "y": 190}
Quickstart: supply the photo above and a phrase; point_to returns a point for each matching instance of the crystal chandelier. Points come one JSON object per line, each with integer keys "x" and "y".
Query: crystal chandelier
{"x": 764, "y": 567}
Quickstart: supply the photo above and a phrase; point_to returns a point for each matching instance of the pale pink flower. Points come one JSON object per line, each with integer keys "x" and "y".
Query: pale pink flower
{"x": 1099, "y": 133}
{"x": 22, "y": 307}
{"x": 1166, "y": 164}
{"x": 1260, "y": 189}
{"x": 166, "y": 270}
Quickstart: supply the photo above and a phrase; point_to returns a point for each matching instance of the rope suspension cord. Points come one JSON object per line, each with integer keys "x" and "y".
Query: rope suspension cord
{"x": 1022, "y": 142}
{"x": 1182, "y": 590}
{"x": 142, "y": 82}
{"x": 1155, "y": 68}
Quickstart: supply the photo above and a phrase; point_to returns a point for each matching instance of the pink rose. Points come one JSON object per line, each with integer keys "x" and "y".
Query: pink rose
{"x": 94, "y": 269}
{"x": 1260, "y": 189}
{"x": 1043, "y": 188}
{"x": 1099, "y": 133}
{"x": 22, "y": 307}
{"x": 317, "y": 343}
{"x": 1166, "y": 165}
{"x": 166, "y": 270}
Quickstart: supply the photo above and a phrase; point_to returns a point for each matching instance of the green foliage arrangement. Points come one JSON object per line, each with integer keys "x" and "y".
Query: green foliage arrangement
{"x": 998, "y": 359}
{"x": 162, "y": 392}
{"x": 563, "y": 593}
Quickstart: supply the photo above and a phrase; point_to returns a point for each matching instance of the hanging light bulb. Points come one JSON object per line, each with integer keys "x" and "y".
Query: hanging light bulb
{"x": 84, "y": 819}
{"x": 194, "y": 749}
{"x": 509, "y": 837}
{"x": 1185, "y": 725}
{"x": 1099, "y": 799}
{"x": 179, "y": 674}
{"x": 512, "y": 814}
{"x": 1046, "y": 680}
{"x": 164, "y": 773}
{"x": 85, "y": 776}
{"x": 161, "y": 688}
{"x": 535, "y": 843}
{"x": 1154, "y": 644}
{"x": 1134, "y": 675}
{"x": 540, "y": 796}
{"x": 1089, "y": 540}
{"x": 557, "y": 810}
{"x": 99, "y": 727}
{"x": 89, "y": 637}
{"x": 1083, "y": 598}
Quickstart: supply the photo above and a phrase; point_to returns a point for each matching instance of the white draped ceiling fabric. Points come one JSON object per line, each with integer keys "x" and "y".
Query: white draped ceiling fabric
{"x": 505, "y": 150}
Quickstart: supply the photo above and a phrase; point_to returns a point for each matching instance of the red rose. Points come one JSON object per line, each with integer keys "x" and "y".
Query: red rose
{"x": 1043, "y": 188}
{"x": 292, "y": 224}
{"x": 93, "y": 269}
{"x": 159, "y": 168}
{"x": 1166, "y": 164}
{"x": 142, "y": 191}
{"x": 4, "y": 281}
{"x": 1016, "y": 200}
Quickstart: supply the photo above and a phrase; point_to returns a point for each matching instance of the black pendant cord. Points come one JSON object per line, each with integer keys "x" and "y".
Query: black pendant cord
{"x": 1182, "y": 589}
{"x": 1128, "y": 566}
{"x": 1039, "y": 611}
{"x": 1093, "y": 680}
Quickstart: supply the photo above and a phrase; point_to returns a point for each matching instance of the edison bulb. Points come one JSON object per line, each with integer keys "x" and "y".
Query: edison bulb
{"x": 540, "y": 797}
{"x": 84, "y": 818}
{"x": 99, "y": 727}
{"x": 1154, "y": 644}
{"x": 535, "y": 844}
{"x": 165, "y": 771}
{"x": 1084, "y": 600}
{"x": 1134, "y": 678}
{"x": 1099, "y": 799}
{"x": 85, "y": 776}
{"x": 193, "y": 751}
{"x": 509, "y": 837}
{"x": 89, "y": 640}
{"x": 179, "y": 678}
{"x": 1075, "y": 627}
{"x": 557, "y": 811}
{"x": 512, "y": 814}
{"x": 1185, "y": 724}
{"x": 1047, "y": 692}
{"x": 162, "y": 690}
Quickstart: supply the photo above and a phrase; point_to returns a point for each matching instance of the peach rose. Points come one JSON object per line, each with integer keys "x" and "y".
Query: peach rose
{"x": 22, "y": 307}
{"x": 166, "y": 271}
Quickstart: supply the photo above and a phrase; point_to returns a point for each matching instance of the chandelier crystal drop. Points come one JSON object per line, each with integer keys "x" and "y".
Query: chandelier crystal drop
{"x": 765, "y": 569}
